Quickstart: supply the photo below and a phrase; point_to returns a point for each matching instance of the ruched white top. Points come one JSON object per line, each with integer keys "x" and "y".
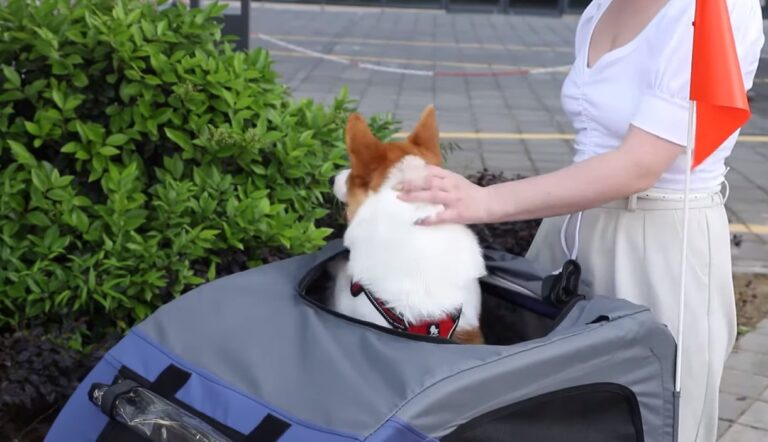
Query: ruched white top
{"x": 646, "y": 83}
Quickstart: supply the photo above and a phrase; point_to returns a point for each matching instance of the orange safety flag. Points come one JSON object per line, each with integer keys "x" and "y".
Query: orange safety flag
{"x": 717, "y": 85}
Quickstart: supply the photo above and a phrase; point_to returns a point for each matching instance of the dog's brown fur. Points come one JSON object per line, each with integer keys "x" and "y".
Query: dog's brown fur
{"x": 469, "y": 336}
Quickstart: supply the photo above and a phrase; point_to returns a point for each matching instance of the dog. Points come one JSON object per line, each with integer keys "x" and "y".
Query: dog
{"x": 417, "y": 279}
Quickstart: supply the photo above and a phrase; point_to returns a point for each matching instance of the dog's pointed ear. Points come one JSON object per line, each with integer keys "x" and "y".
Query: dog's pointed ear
{"x": 425, "y": 136}
{"x": 363, "y": 146}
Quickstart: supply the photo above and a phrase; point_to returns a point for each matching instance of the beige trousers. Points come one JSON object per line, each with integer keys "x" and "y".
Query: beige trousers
{"x": 632, "y": 249}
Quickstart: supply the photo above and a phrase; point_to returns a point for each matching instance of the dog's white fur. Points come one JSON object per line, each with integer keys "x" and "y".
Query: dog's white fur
{"x": 421, "y": 272}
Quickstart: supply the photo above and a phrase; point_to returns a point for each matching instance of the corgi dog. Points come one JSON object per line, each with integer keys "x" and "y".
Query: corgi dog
{"x": 417, "y": 279}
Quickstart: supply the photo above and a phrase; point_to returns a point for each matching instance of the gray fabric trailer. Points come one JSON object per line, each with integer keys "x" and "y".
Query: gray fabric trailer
{"x": 256, "y": 356}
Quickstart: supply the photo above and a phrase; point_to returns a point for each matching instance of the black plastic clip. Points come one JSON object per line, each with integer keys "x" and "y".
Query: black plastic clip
{"x": 561, "y": 288}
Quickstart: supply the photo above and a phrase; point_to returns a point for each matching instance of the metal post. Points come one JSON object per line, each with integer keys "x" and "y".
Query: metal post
{"x": 237, "y": 25}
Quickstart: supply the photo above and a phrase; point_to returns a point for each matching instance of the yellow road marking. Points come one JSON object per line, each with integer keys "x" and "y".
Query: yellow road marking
{"x": 375, "y": 41}
{"x": 502, "y": 136}
{"x": 758, "y": 229}
{"x": 413, "y": 61}
{"x": 754, "y": 138}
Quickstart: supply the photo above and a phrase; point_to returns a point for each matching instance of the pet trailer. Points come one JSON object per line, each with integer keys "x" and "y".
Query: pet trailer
{"x": 257, "y": 357}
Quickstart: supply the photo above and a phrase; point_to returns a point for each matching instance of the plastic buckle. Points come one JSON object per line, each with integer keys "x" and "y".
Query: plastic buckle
{"x": 561, "y": 288}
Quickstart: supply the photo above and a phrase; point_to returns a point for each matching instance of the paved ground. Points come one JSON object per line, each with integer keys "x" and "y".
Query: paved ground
{"x": 744, "y": 391}
{"x": 510, "y": 122}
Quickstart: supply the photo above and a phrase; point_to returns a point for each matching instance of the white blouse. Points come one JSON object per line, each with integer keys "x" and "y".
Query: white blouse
{"x": 646, "y": 83}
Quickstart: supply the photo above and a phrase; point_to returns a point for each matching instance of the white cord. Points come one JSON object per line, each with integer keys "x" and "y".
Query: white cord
{"x": 572, "y": 254}
{"x": 727, "y": 185}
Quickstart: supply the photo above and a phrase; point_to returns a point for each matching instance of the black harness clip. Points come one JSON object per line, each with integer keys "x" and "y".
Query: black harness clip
{"x": 561, "y": 288}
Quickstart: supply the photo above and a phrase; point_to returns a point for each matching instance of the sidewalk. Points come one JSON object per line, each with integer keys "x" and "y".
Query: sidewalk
{"x": 511, "y": 121}
{"x": 744, "y": 391}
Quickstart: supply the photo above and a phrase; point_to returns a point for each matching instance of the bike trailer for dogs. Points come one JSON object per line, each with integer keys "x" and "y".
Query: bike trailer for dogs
{"x": 257, "y": 357}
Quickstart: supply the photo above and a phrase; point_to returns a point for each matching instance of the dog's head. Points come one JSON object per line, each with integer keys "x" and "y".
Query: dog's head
{"x": 371, "y": 160}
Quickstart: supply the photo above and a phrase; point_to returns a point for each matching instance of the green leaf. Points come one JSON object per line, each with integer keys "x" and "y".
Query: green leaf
{"x": 72, "y": 146}
{"x": 179, "y": 138}
{"x": 12, "y": 76}
{"x": 108, "y": 151}
{"x": 74, "y": 58}
{"x": 117, "y": 139}
{"x": 11, "y": 96}
{"x": 134, "y": 218}
{"x": 82, "y": 155}
{"x": 58, "y": 195}
{"x": 58, "y": 98}
{"x": 32, "y": 128}
{"x": 62, "y": 181}
{"x": 94, "y": 132}
{"x": 212, "y": 271}
{"x": 79, "y": 79}
{"x": 174, "y": 165}
{"x": 73, "y": 101}
{"x": 79, "y": 219}
{"x": 40, "y": 179}
{"x": 36, "y": 86}
{"x": 208, "y": 234}
{"x": 38, "y": 218}
{"x": 51, "y": 234}
{"x": 21, "y": 154}
{"x": 129, "y": 90}
{"x": 141, "y": 311}
{"x": 133, "y": 16}
{"x": 81, "y": 201}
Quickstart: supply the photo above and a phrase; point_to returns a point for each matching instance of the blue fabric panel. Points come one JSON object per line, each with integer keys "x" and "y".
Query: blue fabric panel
{"x": 203, "y": 392}
{"x": 242, "y": 413}
{"x": 80, "y": 420}
{"x": 395, "y": 430}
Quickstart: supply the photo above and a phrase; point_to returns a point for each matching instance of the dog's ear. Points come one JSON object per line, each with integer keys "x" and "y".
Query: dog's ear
{"x": 365, "y": 150}
{"x": 426, "y": 137}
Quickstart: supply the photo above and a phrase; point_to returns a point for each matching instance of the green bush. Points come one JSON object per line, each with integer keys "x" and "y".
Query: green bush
{"x": 138, "y": 150}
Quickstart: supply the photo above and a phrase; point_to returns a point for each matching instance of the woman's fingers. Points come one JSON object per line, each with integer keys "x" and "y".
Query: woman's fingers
{"x": 434, "y": 177}
{"x": 434, "y": 196}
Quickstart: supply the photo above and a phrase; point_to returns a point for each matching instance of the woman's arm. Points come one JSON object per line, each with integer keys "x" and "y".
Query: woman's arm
{"x": 635, "y": 166}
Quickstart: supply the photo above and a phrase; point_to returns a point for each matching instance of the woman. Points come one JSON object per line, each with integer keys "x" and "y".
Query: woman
{"x": 627, "y": 96}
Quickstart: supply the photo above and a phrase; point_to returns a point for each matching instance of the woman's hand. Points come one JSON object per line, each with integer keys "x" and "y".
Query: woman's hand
{"x": 464, "y": 202}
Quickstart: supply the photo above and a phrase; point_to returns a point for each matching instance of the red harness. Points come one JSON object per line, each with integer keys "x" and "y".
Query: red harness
{"x": 443, "y": 327}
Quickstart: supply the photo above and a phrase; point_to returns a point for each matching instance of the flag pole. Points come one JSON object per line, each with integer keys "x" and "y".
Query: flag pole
{"x": 684, "y": 255}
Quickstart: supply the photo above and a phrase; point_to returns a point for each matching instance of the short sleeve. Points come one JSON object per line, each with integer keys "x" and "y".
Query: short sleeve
{"x": 664, "y": 106}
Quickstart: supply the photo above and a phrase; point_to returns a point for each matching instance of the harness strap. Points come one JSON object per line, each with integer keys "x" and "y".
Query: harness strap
{"x": 442, "y": 327}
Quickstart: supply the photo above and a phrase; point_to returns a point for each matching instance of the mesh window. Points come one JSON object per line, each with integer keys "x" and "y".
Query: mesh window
{"x": 587, "y": 413}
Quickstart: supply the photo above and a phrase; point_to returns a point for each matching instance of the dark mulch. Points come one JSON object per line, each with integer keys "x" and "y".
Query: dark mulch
{"x": 38, "y": 372}
{"x": 514, "y": 237}
{"x": 751, "y": 299}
